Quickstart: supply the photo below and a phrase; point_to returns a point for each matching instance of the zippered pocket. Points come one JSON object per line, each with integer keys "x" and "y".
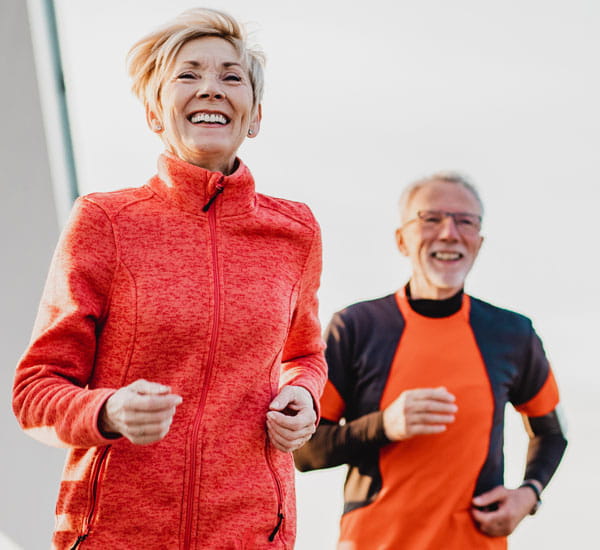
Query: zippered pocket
{"x": 96, "y": 474}
{"x": 278, "y": 521}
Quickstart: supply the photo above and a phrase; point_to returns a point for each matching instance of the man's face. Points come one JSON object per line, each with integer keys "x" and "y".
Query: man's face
{"x": 441, "y": 248}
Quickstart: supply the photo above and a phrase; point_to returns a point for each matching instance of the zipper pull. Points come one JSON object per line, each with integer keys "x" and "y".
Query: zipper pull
{"x": 277, "y": 527}
{"x": 219, "y": 187}
{"x": 79, "y": 540}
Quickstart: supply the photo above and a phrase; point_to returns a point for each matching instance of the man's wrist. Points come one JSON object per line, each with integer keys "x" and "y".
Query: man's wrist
{"x": 537, "y": 492}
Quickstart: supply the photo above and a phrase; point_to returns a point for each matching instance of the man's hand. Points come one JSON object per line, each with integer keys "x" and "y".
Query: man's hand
{"x": 513, "y": 506}
{"x": 418, "y": 412}
{"x": 142, "y": 412}
{"x": 291, "y": 418}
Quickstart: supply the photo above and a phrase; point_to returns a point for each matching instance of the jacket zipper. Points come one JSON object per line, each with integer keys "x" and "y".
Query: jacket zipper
{"x": 280, "y": 515}
{"x": 218, "y": 190}
{"x": 212, "y": 224}
{"x": 96, "y": 472}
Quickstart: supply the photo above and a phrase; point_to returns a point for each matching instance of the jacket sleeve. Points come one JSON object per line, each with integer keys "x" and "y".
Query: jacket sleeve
{"x": 547, "y": 439}
{"x": 303, "y": 362}
{"x": 51, "y": 397}
{"x": 337, "y": 439}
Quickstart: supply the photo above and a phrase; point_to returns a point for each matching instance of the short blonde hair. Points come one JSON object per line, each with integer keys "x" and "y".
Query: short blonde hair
{"x": 150, "y": 58}
{"x": 445, "y": 177}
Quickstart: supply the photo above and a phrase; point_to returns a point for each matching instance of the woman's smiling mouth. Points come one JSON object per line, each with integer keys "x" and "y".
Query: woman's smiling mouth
{"x": 207, "y": 117}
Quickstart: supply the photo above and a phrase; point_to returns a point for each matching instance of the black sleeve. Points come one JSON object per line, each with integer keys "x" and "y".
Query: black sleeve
{"x": 358, "y": 360}
{"x": 547, "y": 445}
{"x": 335, "y": 444}
{"x": 533, "y": 371}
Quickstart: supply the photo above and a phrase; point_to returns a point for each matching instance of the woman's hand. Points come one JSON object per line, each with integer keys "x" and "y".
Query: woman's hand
{"x": 142, "y": 412}
{"x": 291, "y": 419}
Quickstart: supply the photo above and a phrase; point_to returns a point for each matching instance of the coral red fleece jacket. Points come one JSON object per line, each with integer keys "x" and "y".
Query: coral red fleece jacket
{"x": 220, "y": 304}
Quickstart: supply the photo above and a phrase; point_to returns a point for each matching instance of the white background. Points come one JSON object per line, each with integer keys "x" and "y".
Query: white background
{"x": 361, "y": 99}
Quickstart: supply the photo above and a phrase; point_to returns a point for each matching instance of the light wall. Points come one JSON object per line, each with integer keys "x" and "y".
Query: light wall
{"x": 29, "y": 471}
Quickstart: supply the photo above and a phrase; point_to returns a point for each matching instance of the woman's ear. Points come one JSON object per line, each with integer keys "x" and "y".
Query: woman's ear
{"x": 153, "y": 122}
{"x": 254, "y": 127}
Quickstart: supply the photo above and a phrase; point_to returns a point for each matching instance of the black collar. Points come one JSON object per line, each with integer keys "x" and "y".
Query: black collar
{"x": 435, "y": 308}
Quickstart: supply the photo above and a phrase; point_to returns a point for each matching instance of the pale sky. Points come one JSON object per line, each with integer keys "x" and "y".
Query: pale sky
{"x": 361, "y": 99}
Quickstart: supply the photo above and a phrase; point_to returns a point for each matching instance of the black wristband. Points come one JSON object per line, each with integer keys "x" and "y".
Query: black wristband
{"x": 538, "y": 495}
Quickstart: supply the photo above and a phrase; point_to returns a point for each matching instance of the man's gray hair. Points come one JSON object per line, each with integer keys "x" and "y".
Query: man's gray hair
{"x": 446, "y": 177}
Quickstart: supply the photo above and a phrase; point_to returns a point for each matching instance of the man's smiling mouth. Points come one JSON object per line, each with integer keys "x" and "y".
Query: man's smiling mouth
{"x": 447, "y": 256}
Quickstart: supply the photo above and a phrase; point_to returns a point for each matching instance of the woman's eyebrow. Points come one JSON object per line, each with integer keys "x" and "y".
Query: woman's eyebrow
{"x": 195, "y": 64}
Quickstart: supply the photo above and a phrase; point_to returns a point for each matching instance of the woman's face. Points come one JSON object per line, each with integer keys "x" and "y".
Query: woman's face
{"x": 206, "y": 103}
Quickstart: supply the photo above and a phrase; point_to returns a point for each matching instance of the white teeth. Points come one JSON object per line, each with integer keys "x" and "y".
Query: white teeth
{"x": 447, "y": 255}
{"x": 208, "y": 117}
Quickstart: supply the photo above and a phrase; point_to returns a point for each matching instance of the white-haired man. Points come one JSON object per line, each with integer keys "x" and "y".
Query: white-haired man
{"x": 418, "y": 383}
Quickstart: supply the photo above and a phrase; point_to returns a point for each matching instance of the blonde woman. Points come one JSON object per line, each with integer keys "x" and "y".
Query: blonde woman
{"x": 177, "y": 350}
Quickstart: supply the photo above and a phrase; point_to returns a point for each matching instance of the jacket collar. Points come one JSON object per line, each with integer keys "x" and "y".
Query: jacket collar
{"x": 190, "y": 187}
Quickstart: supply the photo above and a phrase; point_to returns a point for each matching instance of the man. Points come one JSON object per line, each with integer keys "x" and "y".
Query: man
{"x": 418, "y": 382}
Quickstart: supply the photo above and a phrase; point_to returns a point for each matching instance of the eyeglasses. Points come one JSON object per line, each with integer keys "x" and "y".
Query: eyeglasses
{"x": 467, "y": 224}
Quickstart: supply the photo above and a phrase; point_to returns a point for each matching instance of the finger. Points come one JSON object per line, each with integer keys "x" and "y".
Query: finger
{"x": 493, "y": 527}
{"x": 430, "y": 405}
{"x": 147, "y": 434}
{"x": 426, "y": 429}
{"x": 436, "y": 394}
{"x": 429, "y": 418}
{"x": 278, "y": 441}
{"x": 282, "y": 400}
{"x": 303, "y": 419}
{"x": 277, "y": 445}
{"x": 141, "y": 418}
{"x": 288, "y": 434}
{"x": 284, "y": 444}
{"x": 496, "y": 494}
{"x": 294, "y": 397}
{"x": 149, "y": 388}
{"x": 152, "y": 402}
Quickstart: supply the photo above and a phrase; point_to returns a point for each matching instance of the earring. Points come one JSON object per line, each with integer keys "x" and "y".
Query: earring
{"x": 250, "y": 132}
{"x": 156, "y": 126}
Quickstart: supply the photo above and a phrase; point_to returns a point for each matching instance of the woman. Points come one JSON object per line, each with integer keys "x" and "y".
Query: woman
{"x": 177, "y": 350}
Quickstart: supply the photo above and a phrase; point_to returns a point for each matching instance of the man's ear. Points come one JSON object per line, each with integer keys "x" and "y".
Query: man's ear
{"x": 153, "y": 121}
{"x": 255, "y": 124}
{"x": 481, "y": 238}
{"x": 400, "y": 242}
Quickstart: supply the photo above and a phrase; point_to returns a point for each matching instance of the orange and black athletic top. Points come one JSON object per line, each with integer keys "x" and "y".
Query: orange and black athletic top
{"x": 416, "y": 494}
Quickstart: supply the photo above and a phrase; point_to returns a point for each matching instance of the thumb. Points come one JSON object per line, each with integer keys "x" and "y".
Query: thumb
{"x": 496, "y": 494}
{"x": 145, "y": 387}
{"x": 282, "y": 400}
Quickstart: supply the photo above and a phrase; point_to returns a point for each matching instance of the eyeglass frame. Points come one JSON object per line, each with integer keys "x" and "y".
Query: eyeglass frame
{"x": 446, "y": 214}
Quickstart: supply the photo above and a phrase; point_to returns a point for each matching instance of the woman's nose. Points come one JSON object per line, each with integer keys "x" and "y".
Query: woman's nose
{"x": 210, "y": 88}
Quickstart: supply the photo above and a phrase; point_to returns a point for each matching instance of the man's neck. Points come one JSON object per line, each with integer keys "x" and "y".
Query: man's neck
{"x": 435, "y": 308}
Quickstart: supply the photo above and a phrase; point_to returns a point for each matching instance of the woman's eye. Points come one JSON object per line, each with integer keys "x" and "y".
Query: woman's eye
{"x": 233, "y": 77}
{"x": 186, "y": 76}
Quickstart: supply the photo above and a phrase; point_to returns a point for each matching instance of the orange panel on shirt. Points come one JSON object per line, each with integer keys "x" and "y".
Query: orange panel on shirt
{"x": 544, "y": 401}
{"x": 332, "y": 404}
{"x": 428, "y": 481}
